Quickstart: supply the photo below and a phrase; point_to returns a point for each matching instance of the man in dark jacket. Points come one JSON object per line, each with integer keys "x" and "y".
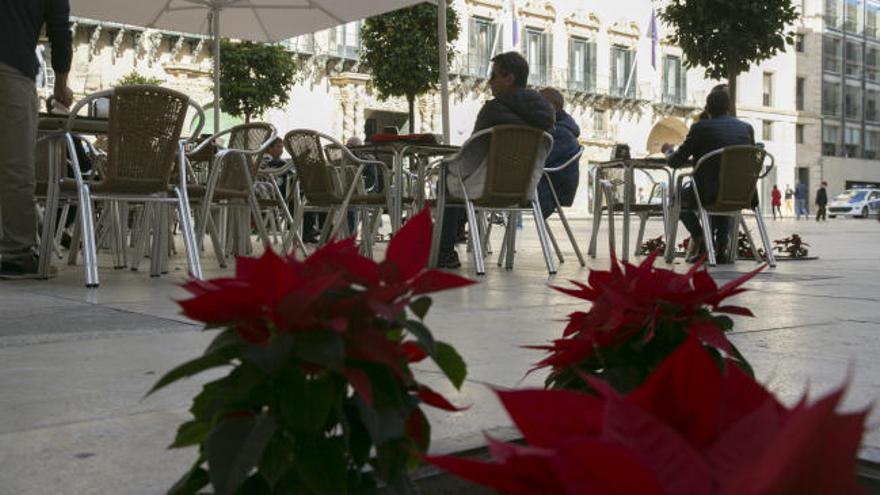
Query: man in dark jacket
{"x": 707, "y": 135}
{"x": 20, "y": 24}
{"x": 565, "y": 146}
{"x": 513, "y": 103}
{"x": 821, "y": 202}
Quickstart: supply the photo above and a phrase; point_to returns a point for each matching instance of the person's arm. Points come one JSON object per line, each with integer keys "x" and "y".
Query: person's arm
{"x": 682, "y": 155}
{"x": 58, "y": 30}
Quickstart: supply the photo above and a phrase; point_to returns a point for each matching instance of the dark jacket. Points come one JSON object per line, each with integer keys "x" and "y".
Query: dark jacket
{"x": 800, "y": 191}
{"x": 565, "y": 146}
{"x": 821, "y": 197}
{"x": 706, "y": 136}
{"x": 20, "y": 25}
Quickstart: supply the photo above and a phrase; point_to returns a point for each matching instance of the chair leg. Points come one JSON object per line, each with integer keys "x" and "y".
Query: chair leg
{"x": 505, "y": 238}
{"x": 543, "y": 237}
{"x": 90, "y": 255}
{"x": 156, "y": 247}
{"x": 707, "y": 237}
{"x": 597, "y": 222}
{"x": 215, "y": 241}
{"x": 165, "y": 237}
{"x": 510, "y": 250}
{"x": 258, "y": 220}
{"x": 142, "y": 235}
{"x": 608, "y": 191}
{"x": 571, "y": 238}
{"x": 47, "y": 240}
{"x": 476, "y": 244}
{"x": 765, "y": 238}
{"x": 555, "y": 244}
{"x": 643, "y": 220}
{"x": 748, "y": 233}
{"x": 189, "y": 236}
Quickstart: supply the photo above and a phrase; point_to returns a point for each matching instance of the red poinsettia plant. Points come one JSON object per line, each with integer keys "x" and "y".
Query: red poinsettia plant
{"x": 639, "y": 315}
{"x": 656, "y": 244}
{"x": 319, "y": 396}
{"x": 691, "y": 428}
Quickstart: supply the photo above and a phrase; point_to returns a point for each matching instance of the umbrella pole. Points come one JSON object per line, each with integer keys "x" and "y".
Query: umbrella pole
{"x": 214, "y": 16}
{"x": 444, "y": 68}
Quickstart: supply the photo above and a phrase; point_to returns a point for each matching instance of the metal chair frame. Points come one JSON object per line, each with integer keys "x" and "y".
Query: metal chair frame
{"x": 574, "y": 160}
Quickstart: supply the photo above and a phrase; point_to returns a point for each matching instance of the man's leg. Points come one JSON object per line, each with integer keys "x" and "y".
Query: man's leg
{"x": 452, "y": 218}
{"x": 688, "y": 215}
{"x": 545, "y": 198}
{"x": 721, "y": 229}
{"x": 18, "y": 121}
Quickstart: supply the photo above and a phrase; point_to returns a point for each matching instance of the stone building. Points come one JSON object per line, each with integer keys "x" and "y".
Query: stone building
{"x": 620, "y": 86}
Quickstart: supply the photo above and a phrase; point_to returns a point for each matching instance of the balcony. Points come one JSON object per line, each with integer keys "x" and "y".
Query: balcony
{"x": 474, "y": 65}
{"x": 678, "y": 98}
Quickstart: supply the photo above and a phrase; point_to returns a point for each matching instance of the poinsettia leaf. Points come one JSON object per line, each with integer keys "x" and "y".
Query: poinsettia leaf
{"x": 740, "y": 361}
{"x": 320, "y": 347}
{"x": 451, "y": 363}
{"x": 573, "y": 413}
{"x": 277, "y": 460}
{"x": 382, "y": 423}
{"x": 498, "y": 476}
{"x": 225, "y": 338}
{"x": 234, "y": 447}
{"x": 192, "y": 482}
{"x": 707, "y": 332}
{"x": 410, "y": 247}
{"x": 269, "y": 357}
{"x": 438, "y": 280}
{"x": 191, "y": 433}
{"x": 591, "y": 465}
{"x": 322, "y": 465}
{"x": 423, "y": 334}
{"x": 723, "y": 322}
{"x": 220, "y": 357}
{"x": 432, "y": 398}
{"x": 420, "y": 306}
{"x": 305, "y": 404}
{"x": 413, "y": 352}
{"x": 735, "y": 310}
{"x": 360, "y": 382}
{"x": 419, "y": 429}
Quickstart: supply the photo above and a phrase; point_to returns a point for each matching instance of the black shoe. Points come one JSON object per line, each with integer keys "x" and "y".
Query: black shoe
{"x": 449, "y": 260}
{"x": 66, "y": 240}
{"x": 24, "y": 268}
{"x": 699, "y": 250}
{"x": 722, "y": 257}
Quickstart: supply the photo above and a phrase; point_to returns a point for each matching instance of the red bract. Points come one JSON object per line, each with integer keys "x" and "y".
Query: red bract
{"x": 632, "y": 303}
{"x": 689, "y": 429}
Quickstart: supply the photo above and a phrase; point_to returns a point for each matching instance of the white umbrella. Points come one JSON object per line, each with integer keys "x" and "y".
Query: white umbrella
{"x": 257, "y": 20}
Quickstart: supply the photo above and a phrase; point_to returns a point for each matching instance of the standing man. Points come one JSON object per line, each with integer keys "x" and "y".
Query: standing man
{"x": 821, "y": 202}
{"x": 800, "y": 200}
{"x": 20, "y": 24}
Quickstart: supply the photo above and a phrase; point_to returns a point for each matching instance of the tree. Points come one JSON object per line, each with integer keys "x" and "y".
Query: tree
{"x": 134, "y": 77}
{"x": 728, "y": 36}
{"x": 401, "y": 51}
{"x": 254, "y": 77}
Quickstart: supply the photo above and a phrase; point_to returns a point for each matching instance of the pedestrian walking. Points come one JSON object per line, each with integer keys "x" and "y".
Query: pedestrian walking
{"x": 821, "y": 202}
{"x": 776, "y": 201}
{"x": 800, "y": 200}
{"x": 789, "y": 200}
{"x": 21, "y": 22}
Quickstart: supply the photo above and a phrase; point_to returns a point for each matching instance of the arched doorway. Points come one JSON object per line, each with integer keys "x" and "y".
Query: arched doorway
{"x": 668, "y": 130}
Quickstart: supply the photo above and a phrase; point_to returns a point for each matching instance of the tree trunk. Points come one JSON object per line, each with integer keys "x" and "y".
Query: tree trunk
{"x": 247, "y": 118}
{"x": 731, "y": 85}
{"x": 411, "y": 99}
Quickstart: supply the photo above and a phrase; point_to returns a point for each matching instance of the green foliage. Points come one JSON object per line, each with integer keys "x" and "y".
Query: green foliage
{"x": 401, "y": 50}
{"x": 254, "y": 77}
{"x": 134, "y": 77}
{"x": 727, "y": 36}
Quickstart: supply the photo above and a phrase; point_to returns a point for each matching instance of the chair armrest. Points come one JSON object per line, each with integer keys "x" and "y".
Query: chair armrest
{"x": 574, "y": 159}
{"x": 274, "y": 172}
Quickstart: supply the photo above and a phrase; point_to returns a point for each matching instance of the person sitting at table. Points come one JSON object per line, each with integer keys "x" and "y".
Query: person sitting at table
{"x": 565, "y": 146}
{"x": 719, "y": 130}
{"x": 513, "y": 103}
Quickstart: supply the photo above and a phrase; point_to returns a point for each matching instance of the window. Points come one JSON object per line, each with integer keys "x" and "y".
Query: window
{"x": 623, "y": 77}
{"x": 766, "y": 130}
{"x": 872, "y": 19}
{"x": 872, "y": 144}
{"x": 768, "y": 89}
{"x": 799, "y": 43}
{"x": 799, "y": 94}
{"x": 831, "y": 100}
{"x": 799, "y": 133}
{"x": 538, "y": 47}
{"x": 852, "y": 142}
{"x": 832, "y": 52}
{"x": 345, "y": 40}
{"x": 481, "y": 46}
{"x": 599, "y": 123}
{"x": 833, "y": 13}
{"x": 852, "y": 102}
{"x": 674, "y": 80}
{"x": 872, "y": 104}
{"x": 581, "y": 65}
{"x": 853, "y": 59}
{"x": 853, "y": 12}
{"x": 830, "y": 139}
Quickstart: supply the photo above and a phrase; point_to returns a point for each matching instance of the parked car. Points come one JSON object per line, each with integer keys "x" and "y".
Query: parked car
{"x": 856, "y": 203}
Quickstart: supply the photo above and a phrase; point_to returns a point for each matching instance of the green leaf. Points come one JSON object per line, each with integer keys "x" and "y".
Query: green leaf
{"x": 305, "y": 405}
{"x": 451, "y": 363}
{"x": 271, "y": 357}
{"x": 424, "y": 336}
{"x": 224, "y": 339}
{"x": 724, "y": 322}
{"x": 218, "y": 357}
{"x": 322, "y": 465}
{"x": 277, "y": 459}
{"x": 241, "y": 389}
{"x": 233, "y": 449}
{"x": 740, "y": 361}
{"x": 191, "y": 433}
{"x": 324, "y": 348}
{"x": 191, "y": 482}
{"x": 382, "y": 423}
{"x": 421, "y": 306}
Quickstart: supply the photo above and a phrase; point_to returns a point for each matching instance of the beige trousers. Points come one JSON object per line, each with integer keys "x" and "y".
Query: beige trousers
{"x": 18, "y": 135}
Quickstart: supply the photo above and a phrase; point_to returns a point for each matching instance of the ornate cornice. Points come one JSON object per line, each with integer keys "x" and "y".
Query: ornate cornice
{"x": 347, "y": 78}
{"x": 490, "y": 4}
{"x": 626, "y": 29}
{"x": 583, "y": 21}
{"x": 537, "y": 10}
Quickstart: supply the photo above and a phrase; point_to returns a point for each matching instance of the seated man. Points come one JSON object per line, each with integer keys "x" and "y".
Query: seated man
{"x": 513, "y": 103}
{"x": 565, "y": 146}
{"x": 718, "y": 131}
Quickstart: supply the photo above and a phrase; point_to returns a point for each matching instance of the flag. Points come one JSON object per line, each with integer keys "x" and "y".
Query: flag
{"x": 655, "y": 38}
{"x": 514, "y": 23}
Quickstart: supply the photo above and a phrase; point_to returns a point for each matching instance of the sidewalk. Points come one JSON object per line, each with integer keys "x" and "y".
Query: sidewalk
{"x": 75, "y": 364}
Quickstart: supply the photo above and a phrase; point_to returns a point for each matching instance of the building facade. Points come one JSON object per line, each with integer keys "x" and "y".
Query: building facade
{"x": 620, "y": 83}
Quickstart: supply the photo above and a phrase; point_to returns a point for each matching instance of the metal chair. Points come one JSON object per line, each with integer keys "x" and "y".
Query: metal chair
{"x": 329, "y": 178}
{"x": 740, "y": 168}
{"x": 514, "y": 163}
{"x": 573, "y": 161}
{"x": 144, "y": 127}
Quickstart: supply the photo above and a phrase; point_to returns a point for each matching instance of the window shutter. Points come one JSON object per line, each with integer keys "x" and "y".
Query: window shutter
{"x": 591, "y": 66}
{"x": 473, "y": 54}
{"x": 548, "y": 69}
{"x": 571, "y": 63}
{"x": 682, "y": 89}
{"x": 498, "y": 40}
{"x": 614, "y": 75}
{"x": 633, "y": 72}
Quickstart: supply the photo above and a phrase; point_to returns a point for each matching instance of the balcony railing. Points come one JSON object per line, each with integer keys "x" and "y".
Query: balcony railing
{"x": 473, "y": 65}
